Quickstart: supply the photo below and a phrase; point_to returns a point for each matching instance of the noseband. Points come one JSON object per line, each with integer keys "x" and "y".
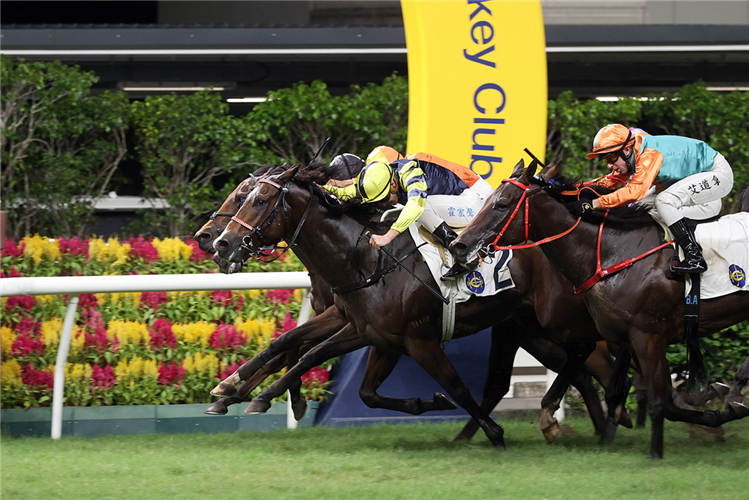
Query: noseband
{"x": 246, "y": 242}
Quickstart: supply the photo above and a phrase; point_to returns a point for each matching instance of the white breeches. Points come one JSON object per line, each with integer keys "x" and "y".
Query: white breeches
{"x": 697, "y": 196}
{"x": 457, "y": 210}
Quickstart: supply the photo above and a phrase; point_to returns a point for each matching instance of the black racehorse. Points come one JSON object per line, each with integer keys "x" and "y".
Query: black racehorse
{"x": 640, "y": 307}
{"x": 396, "y": 315}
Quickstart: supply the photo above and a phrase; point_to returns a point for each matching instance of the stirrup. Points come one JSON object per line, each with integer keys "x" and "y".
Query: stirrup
{"x": 456, "y": 270}
{"x": 686, "y": 267}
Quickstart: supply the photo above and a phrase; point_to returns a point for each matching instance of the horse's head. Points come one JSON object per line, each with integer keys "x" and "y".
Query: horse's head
{"x": 503, "y": 213}
{"x": 260, "y": 221}
{"x": 206, "y": 235}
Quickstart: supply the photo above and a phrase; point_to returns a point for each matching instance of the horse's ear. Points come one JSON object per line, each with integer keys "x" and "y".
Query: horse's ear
{"x": 287, "y": 175}
{"x": 528, "y": 173}
{"x": 518, "y": 170}
{"x": 550, "y": 171}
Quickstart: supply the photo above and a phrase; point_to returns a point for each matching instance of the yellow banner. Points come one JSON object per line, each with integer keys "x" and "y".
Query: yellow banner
{"x": 477, "y": 82}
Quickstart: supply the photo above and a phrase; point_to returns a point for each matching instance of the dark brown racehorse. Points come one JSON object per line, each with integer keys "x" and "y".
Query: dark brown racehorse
{"x": 641, "y": 307}
{"x": 396, "y": 315}
{"x": 329, "y": 321}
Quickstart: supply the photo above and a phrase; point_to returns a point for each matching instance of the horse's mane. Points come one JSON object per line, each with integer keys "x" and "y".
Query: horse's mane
{"x": 636, "y": 213}
{"x": 317, "y": 173}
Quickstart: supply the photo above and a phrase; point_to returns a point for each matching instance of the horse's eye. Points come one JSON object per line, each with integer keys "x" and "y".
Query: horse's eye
{"x": 259, "y": 202}
{"x": 239, "y": 200}
{"x": 499, "y": 205}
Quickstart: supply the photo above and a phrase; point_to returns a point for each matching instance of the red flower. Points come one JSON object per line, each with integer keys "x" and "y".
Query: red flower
{"x": 226, "y": 336}
{"x": 281, "y": 296}
{"x": 316, "y": 374}
{"x": 142, "y": 248}
{"x": 102, "y": 378}
{"x": 223, "y": 297}
{"x": 24, "y": 302}
{"x": 169, "y": 374}
{"x": 25, "y": 344}
{"x": 14, "y": 273}
{"x": 30, "y": 377}
{"x": 73, "y": 246}
{"x": 26, "y": 326}
{"x": 198, "y": 255}
{"x": 88, "y": 300}
{"x": 161, "y": 334}
{"x": 97, "y": 340}
{"x": 12, "y": 249}
{"x": 92, "y": 319}
{"x": 153, "y": 299}
{"x": 240, "y": 302}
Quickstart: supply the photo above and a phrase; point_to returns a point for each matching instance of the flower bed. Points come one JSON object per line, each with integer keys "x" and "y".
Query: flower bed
{"x": 148, "y": 348}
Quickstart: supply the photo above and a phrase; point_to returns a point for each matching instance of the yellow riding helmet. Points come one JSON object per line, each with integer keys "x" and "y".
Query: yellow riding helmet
{"x": 611, "y": 138}
{"x": 373, "y": 184}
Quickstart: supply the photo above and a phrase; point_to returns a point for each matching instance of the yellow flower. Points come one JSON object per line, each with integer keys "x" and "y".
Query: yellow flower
{"x": 172, "y": 248}
{"x": 45, "y": 298}
{"x": 122, "y": 370}
{"x": 7, "y": 337}
{"x": 51, "y": 331}
{"x": 38, "y": 247}
{"x": 77, "y": 372}
{"x": 10, "y": 374}
{"x": 121, "y": 253}
{"x": 194, "y": 332}
{"x": 258, "y": 331}
{"x": 267, "y": 329}
{"x": 299, "y": 294}
{"x": 150, "y": 369}
{"x": 204, "y": 364}
{"x": 132, "y": 332}
{"x": 97, "y": 249}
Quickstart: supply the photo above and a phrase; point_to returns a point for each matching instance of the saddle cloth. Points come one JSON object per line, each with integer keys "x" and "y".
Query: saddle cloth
{"x": 725, "y": 247}
{"x": 490, "y": 278}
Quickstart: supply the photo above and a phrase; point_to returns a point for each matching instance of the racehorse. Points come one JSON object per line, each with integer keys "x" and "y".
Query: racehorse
{"x": 641, "y": 307}
{"x": 503, "y": 347}
{"x": 395, "y": 315}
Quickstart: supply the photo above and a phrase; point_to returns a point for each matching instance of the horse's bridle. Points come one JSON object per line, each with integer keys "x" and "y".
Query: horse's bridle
{"x": 493, "y": 247}
{"x": 213, "y": 216}
{"x": 246, "y": 242}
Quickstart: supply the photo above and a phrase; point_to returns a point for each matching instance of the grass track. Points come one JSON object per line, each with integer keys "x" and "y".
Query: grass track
{"x": 381, "y": 462}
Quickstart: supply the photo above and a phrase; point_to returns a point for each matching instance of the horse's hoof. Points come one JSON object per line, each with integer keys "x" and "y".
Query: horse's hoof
{"x": 550, "y": 432}
{"x": 217, "y": 408}
{"x": 608, "y": 433}
{"x": 442, "y": 403}
{"x": 734, "y": 399}
{"x": 740, "y": 409}
{"x": 720, "y": 388}
{"x": 256, "y": 407}
{"x": 299, "y": 409}
{"x": 624, "y": 420}
{"x": 227, "y": 387}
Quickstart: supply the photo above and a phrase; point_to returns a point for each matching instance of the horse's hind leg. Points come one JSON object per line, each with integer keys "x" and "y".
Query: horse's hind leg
{"x": 501, "y": 357}
{"x": 345, "y": 341}
{"x": 429, "y": 355}
{"x": 379, "y": 366}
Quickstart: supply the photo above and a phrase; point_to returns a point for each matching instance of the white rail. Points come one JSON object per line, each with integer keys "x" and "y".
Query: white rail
{"x": 76, "y": 285}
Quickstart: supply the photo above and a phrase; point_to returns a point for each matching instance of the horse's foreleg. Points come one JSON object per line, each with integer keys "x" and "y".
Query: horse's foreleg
{"x": 429, "y": 355}
{"x": 650, "y": 349}
{"x": 379, "y": 366}
{"x": 641, "y": 395}
{"x": 221, "y": 407}
{"x": 316, "y": 329}
{"x": 501, "y": 357}
{"x": 343, "y": 342}
{"x": 616, "y": 393}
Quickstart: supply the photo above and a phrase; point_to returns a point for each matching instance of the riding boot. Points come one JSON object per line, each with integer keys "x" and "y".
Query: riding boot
{"x": 446, "y": 235}
{"x": 693, "y": 261}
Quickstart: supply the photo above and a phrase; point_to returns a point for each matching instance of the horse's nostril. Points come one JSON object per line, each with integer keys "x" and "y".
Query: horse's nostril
{"x": 221, "y": 244}
{"x": 202, "y": 236}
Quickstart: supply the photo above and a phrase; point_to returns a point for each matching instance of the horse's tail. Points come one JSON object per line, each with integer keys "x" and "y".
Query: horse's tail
{"x": 696, "y": 370}
{"x": 744, "y": 200}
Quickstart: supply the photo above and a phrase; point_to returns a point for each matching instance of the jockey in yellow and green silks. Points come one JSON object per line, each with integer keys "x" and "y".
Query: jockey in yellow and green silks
{"x": 436, "y": 192}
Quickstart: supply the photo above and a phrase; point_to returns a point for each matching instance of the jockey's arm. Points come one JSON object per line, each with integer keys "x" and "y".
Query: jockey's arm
{"x": 342, "y": 193}
{"x": 647, "y": 168}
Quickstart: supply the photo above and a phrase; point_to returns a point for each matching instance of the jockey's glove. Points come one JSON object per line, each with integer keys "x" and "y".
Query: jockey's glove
{"x": 579, "y": 207}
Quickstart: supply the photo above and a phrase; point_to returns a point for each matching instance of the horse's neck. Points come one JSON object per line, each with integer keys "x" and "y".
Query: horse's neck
{"x": 337, "y": 249}
{"x": 576, "y": 254}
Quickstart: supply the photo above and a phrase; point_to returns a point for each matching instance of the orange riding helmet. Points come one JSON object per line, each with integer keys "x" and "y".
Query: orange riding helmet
{"x": 611, "y": 138}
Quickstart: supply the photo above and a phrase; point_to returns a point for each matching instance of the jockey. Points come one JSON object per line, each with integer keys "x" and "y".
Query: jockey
{"x": 690, "y": 179}
{"x": 433, "y": 191}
